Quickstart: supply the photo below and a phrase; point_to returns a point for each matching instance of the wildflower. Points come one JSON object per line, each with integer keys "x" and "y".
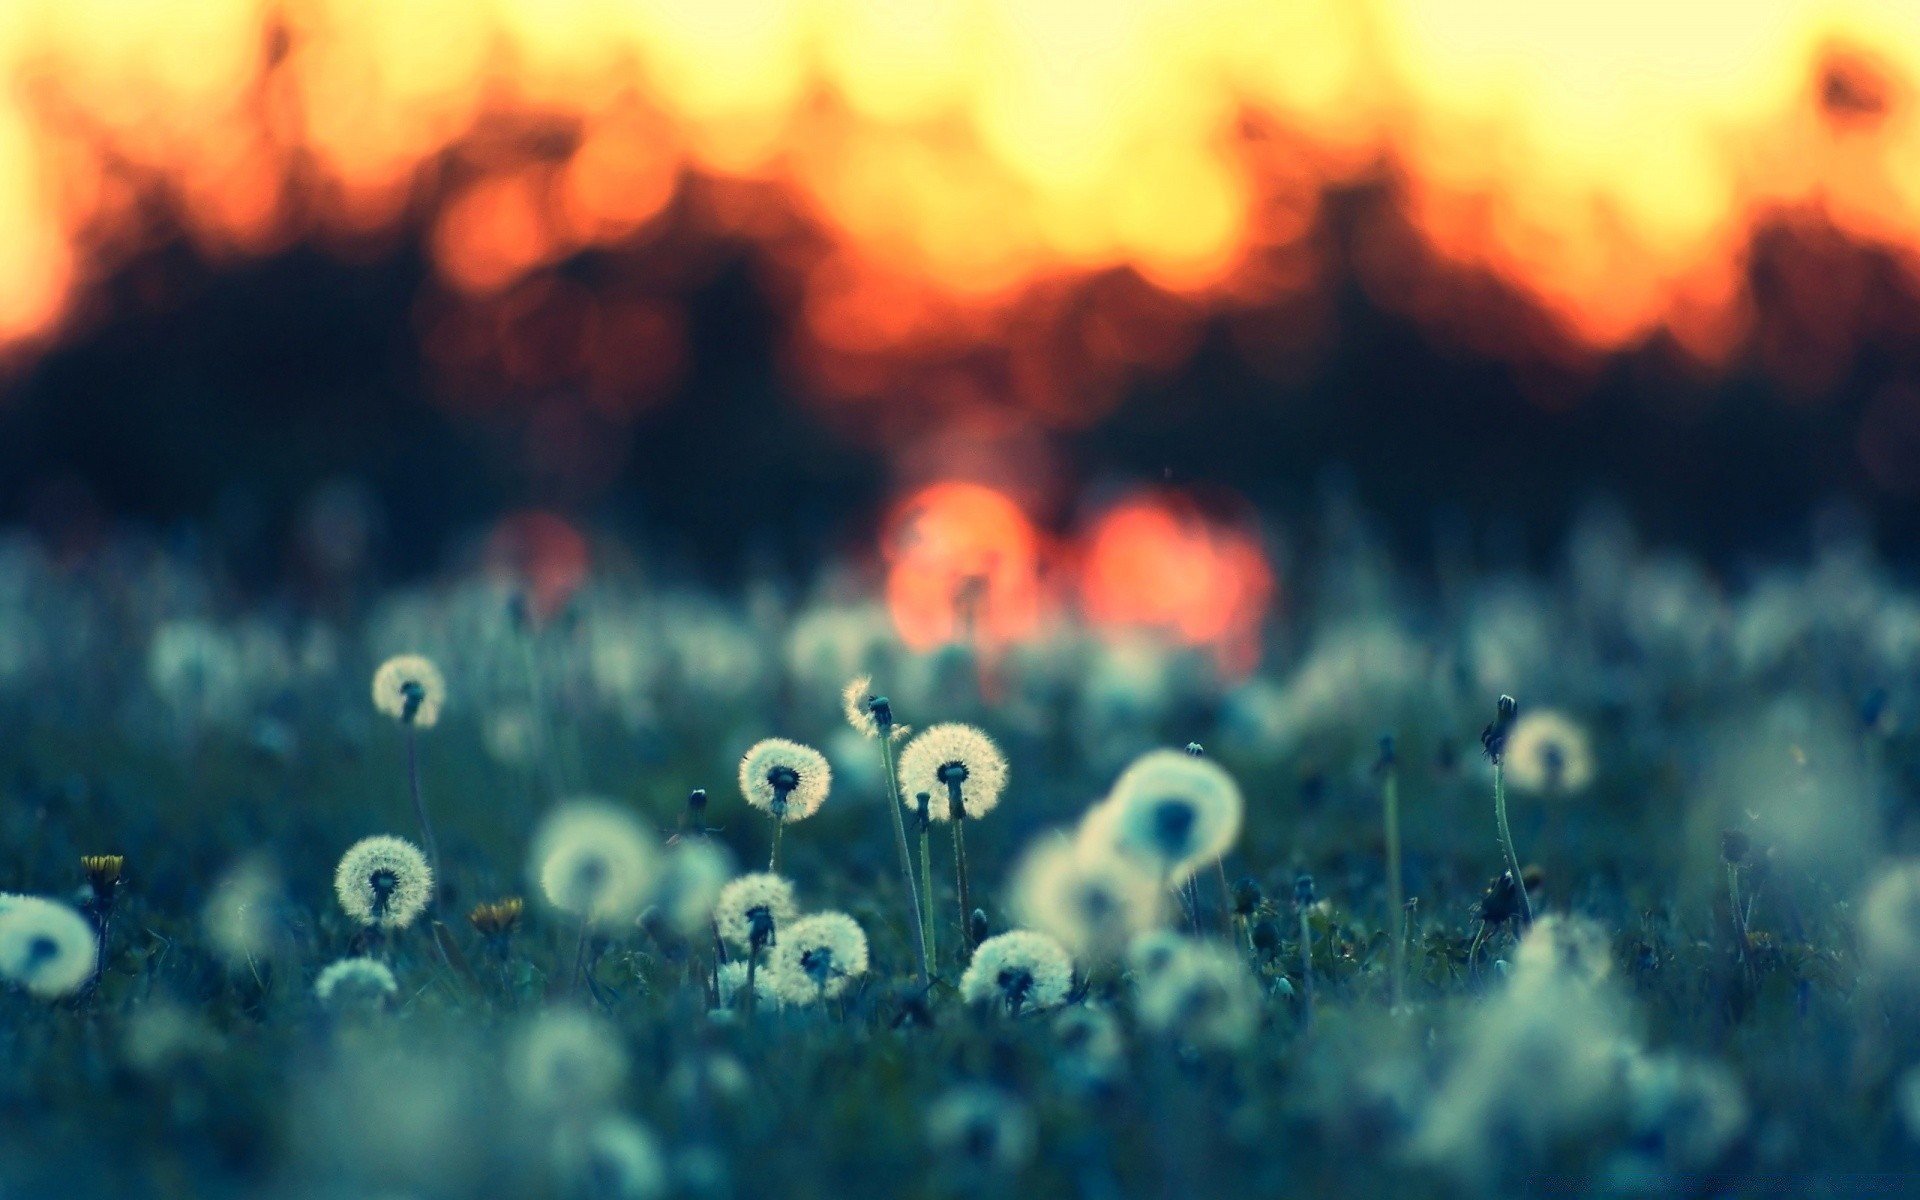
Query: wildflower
{"x": 1020, "y": 970}
{"x": 383, "y": 881}
{"x": 496, "y": 920}
{"x": 1546, "y": 752}
{"x": 753, "y": 908}
{"x": 410, "y": 689}
{"x": 614, "y": 1157}
{"x": 355, "y": 984}
{"x": 1494, "y": 741}
{"x": 567, "y": 1061}
{"x": 1172, "y": 811}
{"x": 103, "y": 873}
{"x": 818, "y": 957}
{"x": 958, "y": 766}
{"x": 46, "y": 947}
{"x": 690, "y": 885}
{"x": 1204, "y": 997}
{"x": 872, "y": 716}
{"x": 595, "y": 862}
{"x": 988, "y": 1129}
{"x": 784, "y": 778}
{"x": 1091, "y": 900}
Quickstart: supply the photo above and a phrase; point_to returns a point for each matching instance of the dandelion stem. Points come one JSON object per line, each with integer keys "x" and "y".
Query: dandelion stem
{"x": 1226, "y": 900}
{"x": 1396, "y": 888}
{"x": 579, "y": 961}
{"x": 1306, "y": 967}
{"x": 926, "y": 880}
{"x": 420, "y": 807}
{"x": 921, "y": 940}
{"x": 543, "y": 738}
{"x": 1506, "y": 838}
{"x": 958, "y": 804}
{"x": 773, "y": 861}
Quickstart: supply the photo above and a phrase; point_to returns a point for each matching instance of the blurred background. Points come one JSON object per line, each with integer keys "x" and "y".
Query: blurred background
{"x": 339, "y": 290}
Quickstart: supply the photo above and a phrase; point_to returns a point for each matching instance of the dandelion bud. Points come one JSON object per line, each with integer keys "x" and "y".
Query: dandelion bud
{"x": 1196, "y": 750}
{"x": 1266, "y": 939}
{"x": 103, "y": 874}
{"x": 977, "y": 926}
{"x": 1735, "y": 845}
{"x": 1502, "y": 900}
{"x": 1246, "y": 897}
{"x": 1493, "y": 739}
{"x": 1303, "y": 890}
{"x": 697, "y": 801}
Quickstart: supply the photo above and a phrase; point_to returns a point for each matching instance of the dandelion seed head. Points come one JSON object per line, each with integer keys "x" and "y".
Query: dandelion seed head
{"x": 383, "y": 881}
{"x": 946, "y": 754}
{"x": 1088, "y": 897}
{"x": 1091, "y": 1047}
{"x": 410, "y": 689}
{"x": 1150, "y": 954}
{"x": 690, "y": 885}
{"x": 1562, "y": 949}
{"x": 565, "y": 1060}
{"x": 243, "y": 919}
{"x": 818, "y": 957}
{"x": 1691, "y": 1108}
{"x": 1203, "y": 997}
{"x": 984, "y": 1127}
{"x": 614, "y": 1156}
{"x": 1020, "y": 971}
{"x": 355, "y": 984}
{"x": 1890, "y": 922}
{"x": 596, "y": 862}
{"x": 46, "y": 947}
{"x": 761, "y": 896}
{"x": 1170, "y": 810}
{"x": 853, "y": 702}
{"x": 1548, "y": 752}
{"x": 777, "y": 765}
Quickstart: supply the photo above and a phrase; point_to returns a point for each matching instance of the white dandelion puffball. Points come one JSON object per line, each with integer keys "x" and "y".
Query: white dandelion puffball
{"x": 1562, "y": 949}
{"x": 410, "y": 689}
{"x": 1150, "y": 954}
{"x": 1204, "y": 998}
{"x": 1089, "y": 898}
{"x": 731, "y": 980}
{"x": 243, "y": 919}
{"x": 787, "y": 775}
{"x": 949, "y": 755}
{"x": 690, "y": 885}
{"x": 982, "y": 1124}
{"x": 46, "y": 947}
{"x": 616, "y": 1157}
{"x": 565, "y": 1060}
{"x": 355, "y": 983}
{"x": 1171, "y": 810}
{"x": 818, "y": 957}
{"x": 1547, "y": 752}
{"x": 853, "y": 702}
{"x": 1890, "y": 921}
{"x": 594, "y": 861}
{"x": 1022, "y": 971}
{"x": 383, "y": 881}
{"x": 761, "y": 898}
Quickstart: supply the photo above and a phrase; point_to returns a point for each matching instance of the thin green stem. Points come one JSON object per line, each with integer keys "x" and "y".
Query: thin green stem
{"x": 1506, "y": 838}
{"x": 1396, "y": 893}
{"x": 958, "y": 806}
{"x": 1226, "y": 900}
{"x": 1306, "y": 967}
{"x": 894, "y": 804}
{"x": 926, "y": 883}
{"x": 420, "y": 808}
{"x": 773, "y": 860}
